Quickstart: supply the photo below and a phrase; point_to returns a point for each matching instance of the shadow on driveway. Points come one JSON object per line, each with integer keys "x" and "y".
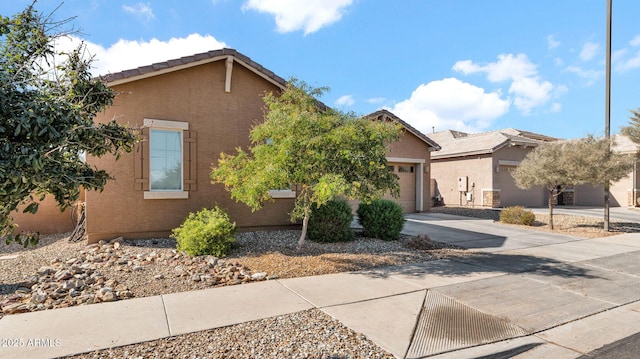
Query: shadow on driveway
{"x": 478, "y": 263}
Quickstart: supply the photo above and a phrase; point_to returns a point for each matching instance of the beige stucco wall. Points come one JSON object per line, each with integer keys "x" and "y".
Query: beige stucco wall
{"x": 222, "y": 122}
{"x": 619, "y": 192}
{"x": 410, "y": 147}
{"x": 49, "y": 219}
{"x": 491, "y": 175}
{"x": 510, "y": 195}
{"x": 445, "y": 172}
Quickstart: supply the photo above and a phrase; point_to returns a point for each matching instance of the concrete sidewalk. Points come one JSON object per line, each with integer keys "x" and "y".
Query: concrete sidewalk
{"x": 522, "y": 292}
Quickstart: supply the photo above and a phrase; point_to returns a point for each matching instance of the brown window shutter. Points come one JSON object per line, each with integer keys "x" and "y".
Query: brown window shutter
{"x": 190, "y": 160}
{"x": 141, "y": 162}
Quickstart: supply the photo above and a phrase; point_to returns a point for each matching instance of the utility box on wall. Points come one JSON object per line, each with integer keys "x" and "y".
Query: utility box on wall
{"x": 463, "y": 184}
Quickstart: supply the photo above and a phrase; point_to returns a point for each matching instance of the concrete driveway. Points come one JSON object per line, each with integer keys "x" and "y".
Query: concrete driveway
{"x": 480, "y": 234}
{"x": 620, "y": 214}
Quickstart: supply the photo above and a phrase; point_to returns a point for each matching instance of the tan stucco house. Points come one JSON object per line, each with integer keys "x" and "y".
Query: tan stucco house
{"x": 623, "y": 193}
{"x": 626, "y": 192}
{"x": 475, "y": 169}
{"x": 189, "y": 110}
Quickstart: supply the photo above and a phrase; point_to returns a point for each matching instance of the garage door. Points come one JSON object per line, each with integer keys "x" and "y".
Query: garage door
{"x": 407, "y": 181}
{"x": 511, "y": 195}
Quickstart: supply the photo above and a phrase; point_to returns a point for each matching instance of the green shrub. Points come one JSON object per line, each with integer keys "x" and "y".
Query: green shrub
{"x": 207, "y": 232}
{"x": 331, "y": 222}
{"x": 381, "y": 218}
{"x": 517, "y": 215}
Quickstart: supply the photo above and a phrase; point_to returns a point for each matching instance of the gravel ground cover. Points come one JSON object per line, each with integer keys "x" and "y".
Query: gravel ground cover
{"x": 152, "y": 267}
{"x": 307, "y": 334}
{"x": 58, "y": 273}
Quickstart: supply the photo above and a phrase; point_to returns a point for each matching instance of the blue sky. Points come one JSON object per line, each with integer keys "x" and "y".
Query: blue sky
{"x": 467, "y": 65}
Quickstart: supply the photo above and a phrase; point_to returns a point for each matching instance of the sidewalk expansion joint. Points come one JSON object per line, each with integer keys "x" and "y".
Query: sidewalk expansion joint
{"x": 373, "y": 299}
{"x": 166, "y": 316}
{"x": 351, "y": 302}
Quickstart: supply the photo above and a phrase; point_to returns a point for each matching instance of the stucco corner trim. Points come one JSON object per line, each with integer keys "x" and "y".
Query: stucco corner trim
{"x": 166, "y": 195}
{"x": 406, "y": 160}
{"x": 285, "y": 193}
{"x": 173, "y": 125}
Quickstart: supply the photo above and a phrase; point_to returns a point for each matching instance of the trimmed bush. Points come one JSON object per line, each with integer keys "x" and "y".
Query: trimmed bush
{"x": 331, "y": 222}
{"x": 381, "y": 218}
{"x": 207, "y": 232}
{"x": 517, "y": 215}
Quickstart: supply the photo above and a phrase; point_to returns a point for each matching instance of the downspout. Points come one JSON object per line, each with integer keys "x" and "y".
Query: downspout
{"x": 229, "y": 68}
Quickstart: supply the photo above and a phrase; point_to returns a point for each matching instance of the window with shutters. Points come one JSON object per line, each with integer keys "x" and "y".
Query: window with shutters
{"x": 165, "y": 160}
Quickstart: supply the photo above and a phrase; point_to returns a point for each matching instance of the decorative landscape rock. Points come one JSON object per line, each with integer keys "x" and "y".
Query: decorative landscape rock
{"x": 80, "y": 279}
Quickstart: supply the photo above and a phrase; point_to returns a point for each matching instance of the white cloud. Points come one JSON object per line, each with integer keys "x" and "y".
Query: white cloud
{"x": 528, "y": 89}
{"x": 556, "y": 107}
{"x": 624, "y": 60}
{"x": 376, "y": 100}
{"x": 630, "y": 63}
{"x": 552, "y": 43}
{"x": 589, "y": 51}
{"x": 451, "y": 104}
{"x": 508, "y": 67}
{"x": 530, "y": 93}
{"x": 126, "y": 54}
{"x": 294, "y": 15}
{"x": 143, "y": 12}
{"x": 346, "y": 100}
{"x": 590, "y": 76}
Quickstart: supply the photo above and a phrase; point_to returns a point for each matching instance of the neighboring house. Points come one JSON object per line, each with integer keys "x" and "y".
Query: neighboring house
{"x": 475, "y": 169}
{"x": 626, "y": 192}
{"x": 189, "y": 110}
{"x": 410, "y": 159}
{"x": 623, "y": 193}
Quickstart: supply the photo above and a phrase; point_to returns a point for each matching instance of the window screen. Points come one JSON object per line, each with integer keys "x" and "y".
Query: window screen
{"x": 166, "y": 160}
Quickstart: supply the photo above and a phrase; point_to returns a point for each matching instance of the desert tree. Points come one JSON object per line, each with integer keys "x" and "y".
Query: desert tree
{"x": 556, "y": 165}
{"x": 48, "y": 101}
{"x": 633, "y": 129}
{"x": 324, "y": 153}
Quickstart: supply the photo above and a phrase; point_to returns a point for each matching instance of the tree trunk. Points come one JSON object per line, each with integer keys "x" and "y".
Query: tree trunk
{"x": 305, "y": 223}
{"x": 80, "y": 231}
{"x": 551, "y": 195}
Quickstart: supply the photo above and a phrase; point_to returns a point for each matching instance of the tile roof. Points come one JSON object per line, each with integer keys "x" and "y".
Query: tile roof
{"x": 388, "y": 115}
{"x": 189, "y": 61}
{"x": 459, "y": 144}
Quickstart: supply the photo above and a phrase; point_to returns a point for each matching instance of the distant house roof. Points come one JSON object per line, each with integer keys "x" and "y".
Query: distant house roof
{"x": 623, "y": 144}
{"x": 388, "y": 115}
{"x": 191, "y": 61}
{"x": 459, "y": 144}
